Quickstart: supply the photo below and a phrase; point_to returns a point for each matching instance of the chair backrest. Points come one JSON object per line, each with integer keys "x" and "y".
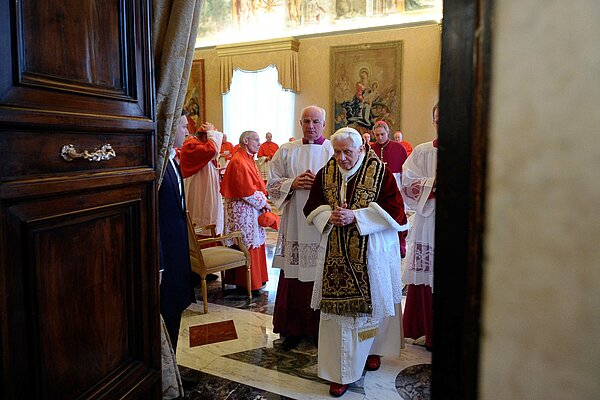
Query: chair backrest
{"x": 200, "y": 231}
{"x": 196, "y": 259}
{"x": 223, "y": 260}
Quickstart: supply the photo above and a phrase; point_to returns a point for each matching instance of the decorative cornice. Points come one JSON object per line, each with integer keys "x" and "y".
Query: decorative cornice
{"x": 289, "y": 43}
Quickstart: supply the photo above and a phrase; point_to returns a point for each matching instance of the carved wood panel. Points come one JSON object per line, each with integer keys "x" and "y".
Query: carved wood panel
{"x": 51, "y": 63}
{"x": 85, "y": 56}
{"x": 79, "y": 312}
{"x": 80, "y": 292}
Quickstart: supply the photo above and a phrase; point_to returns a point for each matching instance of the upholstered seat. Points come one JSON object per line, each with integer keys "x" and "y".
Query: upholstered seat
{"x": 216, "y": 258}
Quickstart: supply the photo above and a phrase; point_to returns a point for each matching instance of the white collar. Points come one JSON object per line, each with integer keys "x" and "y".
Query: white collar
{"x": 347, "y": 174}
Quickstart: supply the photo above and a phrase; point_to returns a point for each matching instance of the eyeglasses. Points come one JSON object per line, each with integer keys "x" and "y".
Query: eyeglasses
{"x": 307, "y": 121}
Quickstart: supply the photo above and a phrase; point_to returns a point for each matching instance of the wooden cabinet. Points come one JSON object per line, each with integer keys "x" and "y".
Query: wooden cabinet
{"x": 79, "y": 313}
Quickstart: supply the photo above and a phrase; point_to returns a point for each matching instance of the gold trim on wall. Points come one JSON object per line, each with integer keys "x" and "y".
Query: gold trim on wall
{"x": 237, "y": 49}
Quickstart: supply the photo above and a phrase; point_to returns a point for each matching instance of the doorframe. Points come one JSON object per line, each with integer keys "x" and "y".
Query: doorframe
{"x": 462, "y": 160}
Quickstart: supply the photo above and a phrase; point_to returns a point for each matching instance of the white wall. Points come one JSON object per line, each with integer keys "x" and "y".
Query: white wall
{"x": 541, "y": 314}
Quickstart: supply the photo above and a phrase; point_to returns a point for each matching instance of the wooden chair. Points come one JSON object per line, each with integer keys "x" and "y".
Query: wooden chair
{"x": 217, "y": 258}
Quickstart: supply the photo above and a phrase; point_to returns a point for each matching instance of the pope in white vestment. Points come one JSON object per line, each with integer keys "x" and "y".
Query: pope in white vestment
{"x": 355, "y": 203}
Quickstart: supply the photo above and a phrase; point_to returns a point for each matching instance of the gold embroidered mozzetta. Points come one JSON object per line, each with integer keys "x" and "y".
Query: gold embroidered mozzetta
{"x": 346, "y": 288}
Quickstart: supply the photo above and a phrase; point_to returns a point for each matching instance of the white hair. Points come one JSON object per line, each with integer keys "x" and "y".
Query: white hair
{"x": 244, "y": 135}
{"x": 347, "y": 133}
{"x": 321, "y": 109}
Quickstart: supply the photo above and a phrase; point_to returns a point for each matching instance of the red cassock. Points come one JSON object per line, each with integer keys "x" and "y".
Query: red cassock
{"x": 267, "y": 149}
{"x": 418, "y": 313}
{"x": 245, "y": 195}
{"x": 393, "y": 154}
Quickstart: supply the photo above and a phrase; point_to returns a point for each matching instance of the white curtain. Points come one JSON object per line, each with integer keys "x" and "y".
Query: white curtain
{"x": 257, "y": 102}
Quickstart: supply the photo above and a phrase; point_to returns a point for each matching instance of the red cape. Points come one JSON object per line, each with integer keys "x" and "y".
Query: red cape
{"x": 267, "y": 149}
{"x": 242, "y": 178}
{"x": 227, "y": 146}
{"x": 194, "y": 155}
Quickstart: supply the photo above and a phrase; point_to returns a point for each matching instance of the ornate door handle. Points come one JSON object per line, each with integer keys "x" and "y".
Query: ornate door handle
{"x": 105, "y": 152}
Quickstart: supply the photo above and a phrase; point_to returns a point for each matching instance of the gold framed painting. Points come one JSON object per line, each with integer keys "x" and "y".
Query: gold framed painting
{"x": 366, "y": 85}
{"x": 195, "y": 103}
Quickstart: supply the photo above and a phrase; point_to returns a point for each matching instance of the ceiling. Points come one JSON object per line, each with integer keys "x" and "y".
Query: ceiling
{"x": 237, "y": 21}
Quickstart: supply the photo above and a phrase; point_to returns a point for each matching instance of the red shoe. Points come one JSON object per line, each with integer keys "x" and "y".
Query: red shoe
{"x": 336, "y": 390}
{"x": 373, "y": 363}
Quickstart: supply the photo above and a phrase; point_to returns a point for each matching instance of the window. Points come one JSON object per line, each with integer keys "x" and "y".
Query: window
{"x": 257, "y": 102}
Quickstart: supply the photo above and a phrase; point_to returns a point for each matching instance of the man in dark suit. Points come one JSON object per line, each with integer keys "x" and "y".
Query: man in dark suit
{"x": 176, "y": 291}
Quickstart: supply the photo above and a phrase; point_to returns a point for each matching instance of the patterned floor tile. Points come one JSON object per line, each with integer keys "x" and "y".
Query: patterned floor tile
{"x": 210, "y": 387}
{"x": 414, "y": 383}
{"x": 300, "y": 362}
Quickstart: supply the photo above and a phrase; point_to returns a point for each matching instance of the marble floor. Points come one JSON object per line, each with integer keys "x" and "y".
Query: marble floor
{"x": 232, "y": 353}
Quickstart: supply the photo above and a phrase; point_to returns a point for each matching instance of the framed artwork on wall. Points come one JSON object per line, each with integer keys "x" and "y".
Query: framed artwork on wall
{"x": 195, "y": 103}
{"x": 366, "y": 85}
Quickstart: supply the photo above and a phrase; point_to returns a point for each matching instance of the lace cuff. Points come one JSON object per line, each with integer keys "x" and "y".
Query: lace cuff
{"x": 258, "y": 200}
{"x": 280, "y": 191}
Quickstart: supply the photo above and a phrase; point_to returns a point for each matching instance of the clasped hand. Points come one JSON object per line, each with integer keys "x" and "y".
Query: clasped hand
{"x": 341, "y": 216}
{"x": 304, "y": 180}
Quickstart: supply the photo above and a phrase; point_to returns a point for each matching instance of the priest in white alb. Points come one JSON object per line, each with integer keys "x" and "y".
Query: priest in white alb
{"x": 291, "y": 174}
{"x": 418, "y": 190}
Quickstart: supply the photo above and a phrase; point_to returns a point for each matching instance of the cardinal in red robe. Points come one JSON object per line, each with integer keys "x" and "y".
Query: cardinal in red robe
{"x": 245, "y": 198}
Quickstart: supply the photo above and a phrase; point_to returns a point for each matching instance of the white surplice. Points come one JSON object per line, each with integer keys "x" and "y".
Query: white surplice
{"x": 203, "y": 191}
{"x": 418, "y": 178}
{"x": 298, "y": 242}
{"x": 242, "y": 215}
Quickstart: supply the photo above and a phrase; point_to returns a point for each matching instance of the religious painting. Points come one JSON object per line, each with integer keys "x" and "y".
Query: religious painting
{"x": 215, "y": 18}
{"x": 235, "y": 21}
{"x": 315, "y": 12}
{"x": 194, "y": 102}
{"x": 302, "y": 14}
{"x": 348, "y": 9}
{"x": 387, "y": 7}
{"x": 249, "y": 15}
{"x": 293, "y": 9}
{"x": 416, "y": 5}
{"x": 366, "y": 85}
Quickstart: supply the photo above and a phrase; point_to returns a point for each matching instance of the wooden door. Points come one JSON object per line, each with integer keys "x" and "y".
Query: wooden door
{"x": 79, "y": 312}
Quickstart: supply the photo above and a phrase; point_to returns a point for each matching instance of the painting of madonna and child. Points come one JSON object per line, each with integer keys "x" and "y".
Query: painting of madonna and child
{"x": 366, "y": 85}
